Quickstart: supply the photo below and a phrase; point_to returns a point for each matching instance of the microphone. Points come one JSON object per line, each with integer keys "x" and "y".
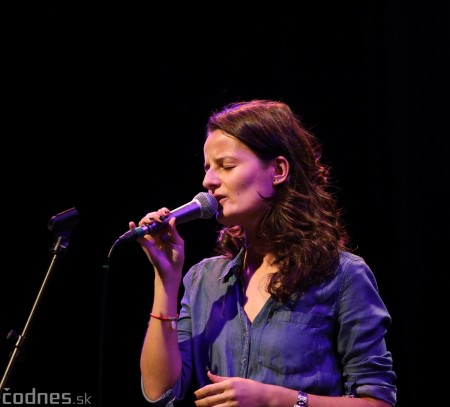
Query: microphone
{"x": 202, "y": 206}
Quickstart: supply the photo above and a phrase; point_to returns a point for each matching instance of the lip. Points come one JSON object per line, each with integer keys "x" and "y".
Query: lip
{"x": 220, "y": 199}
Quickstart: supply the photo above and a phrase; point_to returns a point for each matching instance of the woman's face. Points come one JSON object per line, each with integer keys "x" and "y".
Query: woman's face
{"x": 238, "y": 179}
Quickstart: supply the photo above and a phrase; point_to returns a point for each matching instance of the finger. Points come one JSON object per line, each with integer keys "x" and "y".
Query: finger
{"x": 215, "y": 378}
{"x": 156, "y": 216}
{"x": 210, "y": 389}
{"x": 148, "y": 219}
{"x": 173, "y": 232}
{"x": 207, "y": 391}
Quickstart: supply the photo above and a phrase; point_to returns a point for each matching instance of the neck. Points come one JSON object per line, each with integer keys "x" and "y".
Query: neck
{"x": 257, "y": 260}
{"x": 257, "y": 267}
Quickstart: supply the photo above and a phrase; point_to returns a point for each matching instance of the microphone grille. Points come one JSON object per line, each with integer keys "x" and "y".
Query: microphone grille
{"x": 208, "y": 204}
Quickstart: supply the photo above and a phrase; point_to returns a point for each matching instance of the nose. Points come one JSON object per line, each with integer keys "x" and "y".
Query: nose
{"x": 210, "y": 180}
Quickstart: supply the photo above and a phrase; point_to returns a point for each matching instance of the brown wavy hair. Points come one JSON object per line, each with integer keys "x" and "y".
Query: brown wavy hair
{"x": 303, "y": 227}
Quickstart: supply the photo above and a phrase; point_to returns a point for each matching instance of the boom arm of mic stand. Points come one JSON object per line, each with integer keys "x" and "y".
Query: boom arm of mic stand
{"x": 59, "y": 249}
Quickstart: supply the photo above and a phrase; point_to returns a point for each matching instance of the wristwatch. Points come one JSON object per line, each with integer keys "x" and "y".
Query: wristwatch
{"x": 302, "y": 399}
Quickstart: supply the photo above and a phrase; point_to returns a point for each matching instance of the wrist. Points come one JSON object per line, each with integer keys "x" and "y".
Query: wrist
{"x": 171, "y": 319}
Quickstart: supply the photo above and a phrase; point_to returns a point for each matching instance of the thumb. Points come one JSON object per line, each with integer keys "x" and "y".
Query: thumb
{"x": 215, "y": 378}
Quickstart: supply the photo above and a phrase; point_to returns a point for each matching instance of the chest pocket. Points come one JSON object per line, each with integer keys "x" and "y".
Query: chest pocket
{"x": 290, "y": 341}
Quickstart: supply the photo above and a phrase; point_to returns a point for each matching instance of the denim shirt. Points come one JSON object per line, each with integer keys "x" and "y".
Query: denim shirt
{"x": 329, "y": 341}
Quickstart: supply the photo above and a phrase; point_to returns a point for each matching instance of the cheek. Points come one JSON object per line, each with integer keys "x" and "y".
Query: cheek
{"x": 265, "y": 182}
{"x": 257, "y": 185}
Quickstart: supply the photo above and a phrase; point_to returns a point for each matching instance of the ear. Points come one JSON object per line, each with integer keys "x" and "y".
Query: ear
{"x": 281, "y": 170}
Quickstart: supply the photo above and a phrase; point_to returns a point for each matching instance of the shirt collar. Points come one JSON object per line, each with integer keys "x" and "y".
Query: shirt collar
{"x": 235, "y": 265}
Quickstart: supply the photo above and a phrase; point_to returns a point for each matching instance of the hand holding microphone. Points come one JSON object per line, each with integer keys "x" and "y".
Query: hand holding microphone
{"x": 202, "y": 206}
{"x": 166, "y": 251}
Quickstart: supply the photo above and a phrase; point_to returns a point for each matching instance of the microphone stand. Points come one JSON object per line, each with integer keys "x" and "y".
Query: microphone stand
{"x": 61, "y": 225}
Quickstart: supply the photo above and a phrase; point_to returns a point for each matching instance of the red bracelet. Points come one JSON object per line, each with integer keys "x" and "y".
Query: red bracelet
{"x": 173, "y": 320}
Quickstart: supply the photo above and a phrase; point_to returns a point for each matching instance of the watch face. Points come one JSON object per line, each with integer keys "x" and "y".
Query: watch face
{"x": 302, "y": 399}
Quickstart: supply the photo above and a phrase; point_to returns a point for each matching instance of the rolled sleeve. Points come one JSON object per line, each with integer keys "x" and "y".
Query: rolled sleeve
{"x": 364, "y": 320}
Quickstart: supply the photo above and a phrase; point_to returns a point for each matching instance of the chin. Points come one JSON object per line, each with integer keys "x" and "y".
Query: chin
{"x": 225, "y": 220}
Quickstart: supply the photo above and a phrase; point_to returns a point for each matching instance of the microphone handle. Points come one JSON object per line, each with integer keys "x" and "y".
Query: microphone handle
{"x": 184, "y": 213}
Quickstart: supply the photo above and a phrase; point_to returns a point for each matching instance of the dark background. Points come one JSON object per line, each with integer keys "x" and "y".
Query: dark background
{"x": 104, "y": 109}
